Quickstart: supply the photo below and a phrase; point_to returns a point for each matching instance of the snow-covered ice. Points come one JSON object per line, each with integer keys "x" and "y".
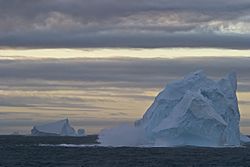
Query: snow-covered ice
{"x": 194, "y": 111}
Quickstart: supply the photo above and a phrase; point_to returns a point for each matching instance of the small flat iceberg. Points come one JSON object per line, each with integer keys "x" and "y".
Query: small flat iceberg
{"x": 57, "y": 128}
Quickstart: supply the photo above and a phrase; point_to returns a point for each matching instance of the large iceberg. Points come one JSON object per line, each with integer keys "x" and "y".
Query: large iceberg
{"x": 58, "y": 128}
{"x": 193, "y": 111}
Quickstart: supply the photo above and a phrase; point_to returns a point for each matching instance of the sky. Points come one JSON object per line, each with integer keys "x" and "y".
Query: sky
{"x": 101, "y": 62}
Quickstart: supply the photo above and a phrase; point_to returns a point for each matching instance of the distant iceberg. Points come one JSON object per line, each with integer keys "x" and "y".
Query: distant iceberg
{"x": 194, "y": 111}
{"x": 58, "y": 128}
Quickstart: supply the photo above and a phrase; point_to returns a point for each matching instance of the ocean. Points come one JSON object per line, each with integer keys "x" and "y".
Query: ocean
{"x": 29, "y": 151}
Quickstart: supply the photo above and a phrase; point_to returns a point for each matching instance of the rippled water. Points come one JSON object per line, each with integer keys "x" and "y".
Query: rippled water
{"x": 24, "y": 151}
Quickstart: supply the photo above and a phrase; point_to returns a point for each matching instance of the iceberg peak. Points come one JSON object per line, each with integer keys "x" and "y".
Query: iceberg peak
{"x": 232, "y": 77}
{"x": 195, "y": 75}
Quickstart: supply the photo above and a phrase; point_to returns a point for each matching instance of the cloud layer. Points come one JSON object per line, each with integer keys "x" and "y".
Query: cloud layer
{"x": 125, "y": 72}
{"x": 130, "y": 23}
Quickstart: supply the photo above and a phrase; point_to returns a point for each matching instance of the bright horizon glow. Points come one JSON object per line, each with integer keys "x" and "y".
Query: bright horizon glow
{"x": 119, "y": 52}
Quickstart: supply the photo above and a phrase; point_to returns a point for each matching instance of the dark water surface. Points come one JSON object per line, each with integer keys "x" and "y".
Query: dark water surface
{"x": 25, "y": 151}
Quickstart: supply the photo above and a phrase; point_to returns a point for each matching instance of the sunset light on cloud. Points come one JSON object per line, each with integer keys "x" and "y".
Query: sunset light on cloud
{"x": 120, "y": 52}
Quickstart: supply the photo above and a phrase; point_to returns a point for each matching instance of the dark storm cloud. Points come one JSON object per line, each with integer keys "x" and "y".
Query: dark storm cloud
{"x": 51, "y": 103}
{"x": 130, "y": 23}
{"x": 127, "y": 39}
{"x": 90, "y": 74}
